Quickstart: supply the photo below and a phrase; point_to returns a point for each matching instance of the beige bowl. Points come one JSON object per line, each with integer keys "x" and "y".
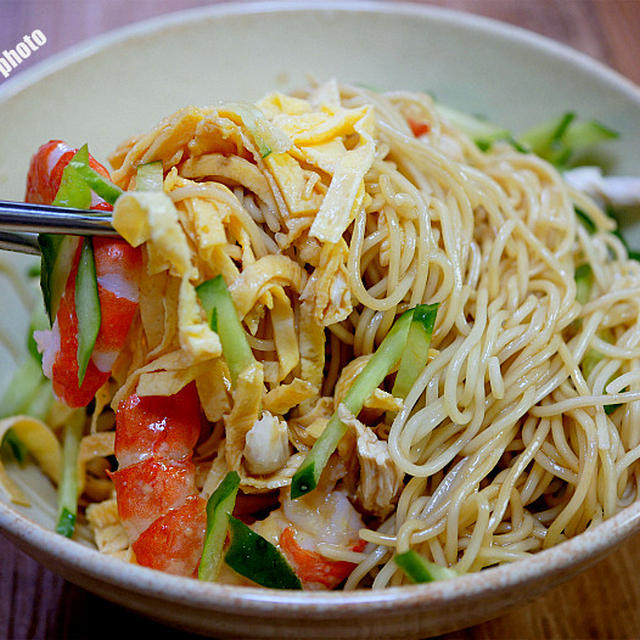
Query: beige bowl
{"x": 122, "y": 83}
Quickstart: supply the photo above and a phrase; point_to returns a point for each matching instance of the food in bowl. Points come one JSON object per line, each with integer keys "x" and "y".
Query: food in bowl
{"x": 346, "y": 339}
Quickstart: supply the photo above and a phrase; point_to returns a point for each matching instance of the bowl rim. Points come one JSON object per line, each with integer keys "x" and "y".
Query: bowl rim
{"x": 545, "y": 564}
{"x": 548, "y": 563}
{"x": 509, "y": 32}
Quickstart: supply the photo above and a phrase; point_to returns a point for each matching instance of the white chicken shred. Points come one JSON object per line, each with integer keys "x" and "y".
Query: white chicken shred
{"x": 380, "y": 479}
{"x": 266, "y": 448}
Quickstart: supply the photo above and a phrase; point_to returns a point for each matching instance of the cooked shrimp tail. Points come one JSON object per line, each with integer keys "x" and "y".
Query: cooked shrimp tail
{"x": 155, "y": 482}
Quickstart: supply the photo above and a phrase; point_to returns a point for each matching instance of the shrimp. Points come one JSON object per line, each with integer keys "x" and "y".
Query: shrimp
{"x": 155, "y": 483}
{"x": 299, "y": 526}
{"x": 118, "y": 267}
{"x": 311, "y": 567}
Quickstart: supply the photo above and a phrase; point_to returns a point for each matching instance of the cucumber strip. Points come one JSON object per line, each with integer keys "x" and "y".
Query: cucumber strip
{"x": 542, "y": 138}
{"x": 250, "y": 120}
{"x": 215, "y": 297}
{"x": 380, "y": 363}
{"x": 593, "y": 356}
{"x": 416, "y": 352}
{"x": 589, "y": 362}
{"x": 586, "y": 221}
{"x": 558, "y": 140}
{"x": 87, "y": 307}
{"x": 213, "y": 322}
{"x": 24, "y": 396}
{"x": 387, "y": 354}
{"x": 11, "y": 443}
{"x": 267, "y": 137}
{"x": 22, "y": 388}
{"x": 481, "y": 131}
{"x": 149, "y": 177}
{"x": 219, "y": 506}
{"x": 420, "y": 570}
{"x": 96, "y": 182}
{"x": 308, "y": 474}
{"x": 520, "y": 148}
{"x": 73, "y": 190}
{"x": 58, "y": 253}
{"x": 555, "y": 140}
{"x": 584, "y": 282}
{"x": 68, "y": 487}
{"x": 41, "y": 402}
{"x": 581, "y": 135}
{"x": 39, "y": 322}
{"x": 255, "y": 558}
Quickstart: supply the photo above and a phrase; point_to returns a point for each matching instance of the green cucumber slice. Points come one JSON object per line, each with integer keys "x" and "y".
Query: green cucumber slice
{"x": 584, "y": 282}
{"x": 420, "y": 570}
{"x": 416, "y": 352}
{"x": 28, "y": 393}
{"x": 267, "y": 137}
{"x": 223, "y": 319}
{"x": 23, "y": 386}
{"x": 255, "y": 558}
{"x": 219, "y": 506}
{"x": 483, "y": 132}
{"x": 58, "y": 253}
{"x": 149, "y": 177}
{"x": 96, "y": 182}
{"x": 87, "y": 307}
{"x": 68, "y": 487}
{"x": 387, "y": 354}
{"x": 73, "y": 190}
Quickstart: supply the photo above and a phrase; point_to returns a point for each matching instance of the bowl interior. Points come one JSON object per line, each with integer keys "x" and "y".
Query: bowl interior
{"x": 124, "y": 83}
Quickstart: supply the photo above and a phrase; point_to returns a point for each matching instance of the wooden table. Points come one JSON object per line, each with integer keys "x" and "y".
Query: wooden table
{"x": 604, "y": 602}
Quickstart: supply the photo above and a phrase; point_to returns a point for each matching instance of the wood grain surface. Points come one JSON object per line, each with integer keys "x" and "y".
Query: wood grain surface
{"x": 603, "y": 602}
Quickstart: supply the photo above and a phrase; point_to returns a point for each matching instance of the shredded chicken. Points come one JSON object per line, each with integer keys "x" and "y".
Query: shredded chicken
{"x": 328, "y": 288}
{"x": 380, "y": 479}
{"x": 266, "y": 446}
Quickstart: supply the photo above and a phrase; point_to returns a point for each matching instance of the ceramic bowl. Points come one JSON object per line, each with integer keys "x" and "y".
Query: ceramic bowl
{"x": 124, "y": 82}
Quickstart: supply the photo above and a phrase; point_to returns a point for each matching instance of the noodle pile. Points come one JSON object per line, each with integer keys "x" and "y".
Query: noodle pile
{"x": 503, "y": 447}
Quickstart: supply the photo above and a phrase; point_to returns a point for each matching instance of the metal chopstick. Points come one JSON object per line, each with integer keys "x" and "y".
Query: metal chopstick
{"x": 19, "y": 242}
{"x": 42, "y": 218}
